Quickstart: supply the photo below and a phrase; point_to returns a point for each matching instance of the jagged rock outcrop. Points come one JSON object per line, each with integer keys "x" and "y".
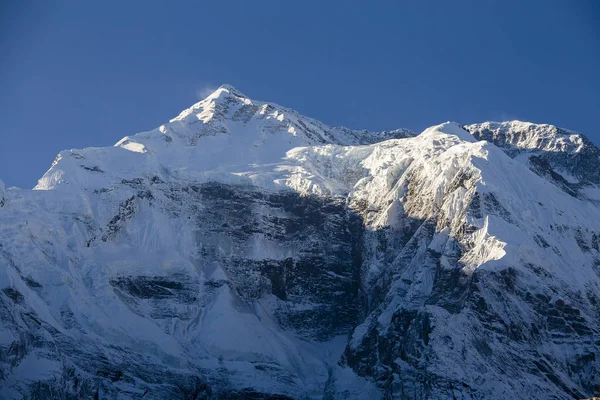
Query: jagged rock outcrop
{"x": 566, "y": 158}
{"x": 2, "y": 194}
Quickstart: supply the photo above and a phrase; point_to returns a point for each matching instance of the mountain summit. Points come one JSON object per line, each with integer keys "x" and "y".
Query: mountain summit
{"x": 222, "y": 134}
{"x": 242, "y": 250}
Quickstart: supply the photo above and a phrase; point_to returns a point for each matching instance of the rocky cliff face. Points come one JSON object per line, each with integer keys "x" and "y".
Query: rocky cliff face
{"x": 245, "y": 251}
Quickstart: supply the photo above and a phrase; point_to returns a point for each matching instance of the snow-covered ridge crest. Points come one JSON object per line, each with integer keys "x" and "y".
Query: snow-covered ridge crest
{"x": 210, "y": 102}
{"x": 567, "y": 159}
{"x": 228, "y": 103}
{"x": 527, "y": 135}
{"x": 222, "y": 134}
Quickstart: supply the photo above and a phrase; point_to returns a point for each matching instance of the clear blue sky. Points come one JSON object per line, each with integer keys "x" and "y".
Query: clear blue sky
{"x": 86, "y": 73}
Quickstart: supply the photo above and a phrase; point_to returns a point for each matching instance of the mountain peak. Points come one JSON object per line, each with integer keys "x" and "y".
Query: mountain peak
{"x": 225, "y": 131}
{"x": 450, "y": 128}
{"x": 229, "y": 88}
{"x": 566, "y": 158}
{"x": 224, "y": 91}
{"x": 531, "y": 136}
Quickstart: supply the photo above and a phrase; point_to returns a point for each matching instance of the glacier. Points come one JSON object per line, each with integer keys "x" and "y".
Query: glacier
{"x": 242, "y": 250}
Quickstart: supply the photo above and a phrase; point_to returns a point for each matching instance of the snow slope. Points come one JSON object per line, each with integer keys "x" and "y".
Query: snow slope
{"x": 245, "y": 250}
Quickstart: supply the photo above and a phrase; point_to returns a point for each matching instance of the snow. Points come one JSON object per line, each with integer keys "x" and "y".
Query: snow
{"x": 527, "y": 135}
{"x": 220, "y": 137}
{"x": 34, "y": 368}
{"x": 449, "y": 128}
{"x": 46, "y": 233}
{"x": 131, "y": 146}
{"x": 245, "y": 153}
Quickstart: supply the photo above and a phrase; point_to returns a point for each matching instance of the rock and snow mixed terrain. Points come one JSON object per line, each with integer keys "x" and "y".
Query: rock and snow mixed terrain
{"x": 243, "y": 250}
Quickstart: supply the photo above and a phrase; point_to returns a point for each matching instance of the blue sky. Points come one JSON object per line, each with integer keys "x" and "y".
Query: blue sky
{"x": 80, "y": 73}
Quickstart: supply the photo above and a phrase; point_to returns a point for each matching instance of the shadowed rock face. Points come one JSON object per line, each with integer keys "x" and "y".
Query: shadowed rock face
{"x": 317, "y": 282}
{"x": 406, "y": 357}
{"x": 469, "y": 331}
{"x": 315, "y": 276}
{"x": 308, "y": 264}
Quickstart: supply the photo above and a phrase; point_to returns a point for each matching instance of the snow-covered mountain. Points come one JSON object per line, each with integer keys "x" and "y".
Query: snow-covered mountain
{"x": 243, "y": 250}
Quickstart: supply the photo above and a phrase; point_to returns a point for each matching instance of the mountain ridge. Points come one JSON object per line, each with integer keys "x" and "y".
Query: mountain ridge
{"x": 236, "y": 253}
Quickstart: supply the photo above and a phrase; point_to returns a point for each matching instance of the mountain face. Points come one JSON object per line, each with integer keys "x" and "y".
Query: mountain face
{"x": 245, "y": 251}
